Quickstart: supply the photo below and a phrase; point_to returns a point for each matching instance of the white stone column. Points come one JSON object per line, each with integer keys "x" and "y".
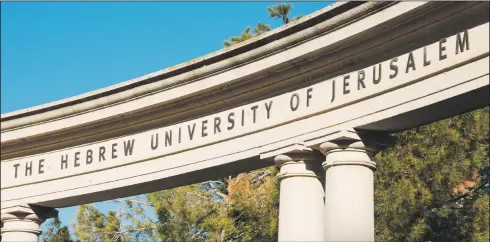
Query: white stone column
{"x": 349, "y": 190}
{"x": 22, "y": 223}
{"x": 301, "y": 205}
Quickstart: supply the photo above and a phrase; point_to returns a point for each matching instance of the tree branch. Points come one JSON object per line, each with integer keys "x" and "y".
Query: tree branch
{"x": 117, "y": 235}
{"x": 266, "y": 173}
{"x": 207, "y": 198}
{"x": 205, "y": 215}
{"x": 216, "y": 191}
{"x": 135, "y": 201}
{"x": 220, "y": 182}
{"x": 195, "y": 234}
{"x": 457, "y": 198}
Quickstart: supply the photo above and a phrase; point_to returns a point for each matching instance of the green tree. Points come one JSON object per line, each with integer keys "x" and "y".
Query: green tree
{"x": 129, "y": 223}
{"x": 280, "y": 11}
{"x": 139, "y": 226}
{"x": 181, "y": 212}
{"x": 54, "y": 231}
{"x": 89, "y": 223}
{"x": 255, "y": 204}
{"x": 246, "y": 34}
{"x": 238, "y": 208}
{"x": 92, "y": 225}
{"x": 261, "y": 28}
{"x": 428, "y": 187}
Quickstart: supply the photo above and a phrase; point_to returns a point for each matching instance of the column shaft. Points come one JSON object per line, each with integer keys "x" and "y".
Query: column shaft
{"x": 349, "y": 192}
{"x": 301, "y": 205}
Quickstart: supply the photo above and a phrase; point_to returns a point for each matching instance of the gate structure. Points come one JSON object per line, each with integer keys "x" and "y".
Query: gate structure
{"x": 317, "y": 97}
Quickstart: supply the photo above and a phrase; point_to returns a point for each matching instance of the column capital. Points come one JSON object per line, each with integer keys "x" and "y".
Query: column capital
{"x": 350, "y": 147}
{"x": 30, "y": 212}
{"x": 370, "y": 140}
{"x": 302, "y": 162}
{"x": 24, "y": 220}
{"x": 329, "y": 146}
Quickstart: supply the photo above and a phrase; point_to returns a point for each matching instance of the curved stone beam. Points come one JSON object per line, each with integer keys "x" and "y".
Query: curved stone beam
{"x": 325, "y": 78}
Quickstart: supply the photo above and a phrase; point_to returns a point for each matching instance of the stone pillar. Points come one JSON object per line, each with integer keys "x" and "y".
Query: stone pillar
{"x": 301, "y": 205}
{"x": 349, "y": 184}
{"x": 349, "y": 191}
{"x": 22, "y": 223}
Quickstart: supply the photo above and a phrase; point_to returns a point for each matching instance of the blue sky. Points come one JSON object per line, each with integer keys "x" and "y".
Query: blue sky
{"x": 55, "y": 50}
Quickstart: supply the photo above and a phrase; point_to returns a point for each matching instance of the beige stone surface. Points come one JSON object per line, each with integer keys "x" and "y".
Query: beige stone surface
{"x": 298, "y": 98}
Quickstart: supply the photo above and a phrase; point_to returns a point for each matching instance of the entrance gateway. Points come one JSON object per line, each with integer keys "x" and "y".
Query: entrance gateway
{"x": 317, "y": 97}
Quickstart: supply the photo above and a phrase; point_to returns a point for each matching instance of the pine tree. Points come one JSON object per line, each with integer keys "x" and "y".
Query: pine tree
{"x": 429, "y": 186}
{"x": 280, "y": 11}
{"x": 54, "y": 231}
{"x": 92, "y": 225}
{"x": 246, "y": 34}
{"x": 239, "y": 208}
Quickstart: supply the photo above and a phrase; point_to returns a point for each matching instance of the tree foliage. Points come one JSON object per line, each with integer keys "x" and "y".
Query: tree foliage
{"x": 241, "y": 208}
{"x": 261, "y": 28}
{"x": 130, "y": 223}
{"x": 280, "y": 11}
{"x": 429, "y": 186}
{"x": 54, "y": 231}
{"x": 138, "y": 225}
{"x": 92, "y": 225}
{"x": 246, "y": 34}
